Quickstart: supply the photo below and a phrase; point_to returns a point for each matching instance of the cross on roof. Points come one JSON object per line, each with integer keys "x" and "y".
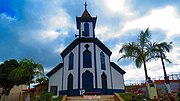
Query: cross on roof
{"x": 85, "y": 4}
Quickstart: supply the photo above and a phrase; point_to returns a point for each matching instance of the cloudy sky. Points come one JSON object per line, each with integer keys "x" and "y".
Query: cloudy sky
{"x": 41, "y": 29}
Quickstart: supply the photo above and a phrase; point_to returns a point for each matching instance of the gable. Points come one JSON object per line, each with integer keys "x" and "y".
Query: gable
{"x": 81, "y": 40}
{"x": 54, "y": 70}
{"x": 117, "y": 68}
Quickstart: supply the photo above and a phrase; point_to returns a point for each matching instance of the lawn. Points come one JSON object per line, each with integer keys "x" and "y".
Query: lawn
{"x": 128, "y": 96}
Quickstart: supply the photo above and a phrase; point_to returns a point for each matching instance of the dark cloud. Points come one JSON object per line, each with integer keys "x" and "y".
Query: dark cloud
{"x": 21, "y": 38}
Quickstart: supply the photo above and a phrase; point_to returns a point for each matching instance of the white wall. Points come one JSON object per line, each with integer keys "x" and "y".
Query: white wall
{"x": 56, "y": 80}
{"x": 100, "y": 71}
{"x": 118, "y": 80}
{"x": 74, "y": 71}
{"x": 82, "y": 69}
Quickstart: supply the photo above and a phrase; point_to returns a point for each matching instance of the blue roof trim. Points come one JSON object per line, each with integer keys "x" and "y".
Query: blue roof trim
{"x": 55, "y": 69}
{"x": 80, "y": 40}
{"x": 116, "y": 67}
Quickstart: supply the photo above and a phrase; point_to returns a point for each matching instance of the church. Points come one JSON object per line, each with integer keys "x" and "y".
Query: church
{"x": 86, "y": 64}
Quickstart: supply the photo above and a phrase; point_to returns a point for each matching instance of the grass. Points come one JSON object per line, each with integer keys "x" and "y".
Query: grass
{"x": 128, "y": 96}
{"x": 58, "y": 98}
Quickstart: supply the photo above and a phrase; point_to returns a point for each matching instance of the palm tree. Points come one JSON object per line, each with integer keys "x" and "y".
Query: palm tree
{"x": 27, "y": 72}
{"x": 140, "y": 52}
{"x": 161, "y": 49}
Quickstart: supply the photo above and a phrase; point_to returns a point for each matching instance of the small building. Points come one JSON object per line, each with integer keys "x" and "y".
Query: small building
{"x": 15, "y": 93}
{"x": 40, "y": 89}
{"x": 86, "y": 64}
{"x": 35, "y": 92}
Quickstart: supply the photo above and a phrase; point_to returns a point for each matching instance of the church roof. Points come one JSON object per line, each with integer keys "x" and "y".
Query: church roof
{"x": 54, "y": 70}
{"x": 81, "y": 40}
{"x": 86, "y": 14}
{"x": 116, "y": 67}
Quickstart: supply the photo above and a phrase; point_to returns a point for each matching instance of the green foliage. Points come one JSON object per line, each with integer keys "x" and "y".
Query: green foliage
{"x": 128, "y": 96}
{"x": 45, "y": 97}
{"x": 27, "y": 71}
{"x": 139, "y": 51}
{"x": 144, "y": 50}
{"x": 58, "y": 98}
{"x": 5, "y": 70}
{"x": 14, "y": 73}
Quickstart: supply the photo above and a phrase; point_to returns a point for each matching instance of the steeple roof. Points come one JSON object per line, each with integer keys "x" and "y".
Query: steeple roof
{"x": 85, "y": 17}
{"x": 86, "y": 13}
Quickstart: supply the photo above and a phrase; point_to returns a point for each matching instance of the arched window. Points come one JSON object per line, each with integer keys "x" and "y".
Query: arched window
{"x": 86, "y": 29}
{"x": 87, "y": 59}
{"x": 104, "y": 83}
{"x": 102, "y": 58}
{"x": 71, "y": 61}
{"x": 70, "y": 84}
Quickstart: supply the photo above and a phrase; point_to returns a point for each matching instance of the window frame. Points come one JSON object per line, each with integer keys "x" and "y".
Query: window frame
{"x": 102, "y": 60}
{"x": 71, "y": 61}
{"x": 86, "y": 29}
{"x": 87, "y": 59}
{"x": 53, "y": 90}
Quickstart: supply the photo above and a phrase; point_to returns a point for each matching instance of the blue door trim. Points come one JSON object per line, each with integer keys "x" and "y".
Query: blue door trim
{"x": 95, "y": 65}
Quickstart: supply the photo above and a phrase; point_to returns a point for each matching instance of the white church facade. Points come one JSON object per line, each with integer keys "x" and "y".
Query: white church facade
{"x": 86, "y": 64}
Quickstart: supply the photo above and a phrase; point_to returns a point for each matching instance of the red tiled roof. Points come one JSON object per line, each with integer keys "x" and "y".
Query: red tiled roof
{"x": 31, "y": 89}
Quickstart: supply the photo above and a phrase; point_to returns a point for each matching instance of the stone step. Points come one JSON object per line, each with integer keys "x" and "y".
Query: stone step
{"x": 91, "y": 98}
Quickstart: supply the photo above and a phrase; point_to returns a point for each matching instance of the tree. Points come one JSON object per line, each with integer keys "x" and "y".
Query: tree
{"x": 140, "y": 51}
{"x": 6, "y": 83}
{"x": 161, "y": 49}
{"x": 28, "y": 72}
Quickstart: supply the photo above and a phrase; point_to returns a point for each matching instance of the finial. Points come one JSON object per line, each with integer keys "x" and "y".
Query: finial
{"x": 85, "y": 5}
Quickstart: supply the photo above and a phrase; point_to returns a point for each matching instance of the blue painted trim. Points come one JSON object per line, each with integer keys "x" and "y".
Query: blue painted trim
{"x": 75, "y": 92}
{"x": 102, "y": 61}
{"x": 79, "y": 58}
{"x": 93, "y": 30}
{"x": 80, "y": 40}
{"x": 86, "y": 29}
{"x": 87, "y": 56}
{"x": 80, "y": 30}
{"x": 55, "y": 69}
{"x": 111, "y": 74}
{"x": 62, "y": 76}
{"x": 116, "y": 67}
{"x": 71, "y": 61}
{"x": 95, "y": 65}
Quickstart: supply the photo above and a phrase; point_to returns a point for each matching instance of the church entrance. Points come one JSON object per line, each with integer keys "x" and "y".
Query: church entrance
{"x": 70, "y": 84}
{"x": 104, "y": 83}
{"x": 87, "y": 81}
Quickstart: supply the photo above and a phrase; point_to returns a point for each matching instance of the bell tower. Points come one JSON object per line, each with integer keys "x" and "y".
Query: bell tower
{"x": 86, "y": 24}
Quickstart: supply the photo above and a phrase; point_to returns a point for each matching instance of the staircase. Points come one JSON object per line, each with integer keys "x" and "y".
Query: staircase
{"x": 91, "y": 98}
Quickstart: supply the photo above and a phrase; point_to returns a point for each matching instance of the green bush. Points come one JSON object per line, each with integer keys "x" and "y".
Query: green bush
{"x": 128, "y": 96}
{"x": 58, "y": 98}
{"x": 43, "y": 97}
